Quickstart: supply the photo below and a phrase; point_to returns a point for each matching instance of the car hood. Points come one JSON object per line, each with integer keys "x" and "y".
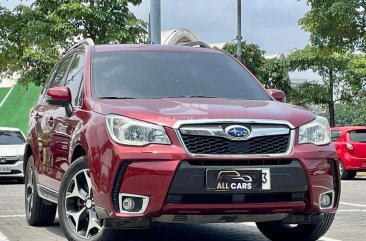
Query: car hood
{"x": 167, "y": 112}
{"x": 12, "y": 150}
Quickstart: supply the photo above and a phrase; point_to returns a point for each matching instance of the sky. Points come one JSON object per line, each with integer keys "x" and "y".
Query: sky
{"x": 272, "y": 24}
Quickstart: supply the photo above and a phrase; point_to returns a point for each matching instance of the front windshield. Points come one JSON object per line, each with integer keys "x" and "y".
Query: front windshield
{"x": 164, "y": 74}
{"x": 11, "y": 138}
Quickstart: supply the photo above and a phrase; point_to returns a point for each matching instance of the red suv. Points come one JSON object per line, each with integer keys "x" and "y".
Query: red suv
{"x": 350, "y": 143}
{"x": 126, "y": 135}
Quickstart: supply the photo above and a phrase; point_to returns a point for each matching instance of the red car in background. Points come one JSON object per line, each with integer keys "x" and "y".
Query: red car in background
{"x": 350, "y": 142}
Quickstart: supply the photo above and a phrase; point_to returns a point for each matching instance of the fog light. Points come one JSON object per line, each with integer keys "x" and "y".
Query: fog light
{"x": 132, "y": 203}
{"x": 326, "y": 200}
{"x": 128, "y": 204}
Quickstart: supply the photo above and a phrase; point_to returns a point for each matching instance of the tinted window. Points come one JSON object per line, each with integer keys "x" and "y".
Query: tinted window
{"x": 61, "y": 73}
{"x": 357, "y": 136}
{"x": 11, "y": 138}
{"x": 49, "y": 81}
{"x": 157, "y": 74}
{"x": 335, "y": 135}
{"x": 75, "y": 77}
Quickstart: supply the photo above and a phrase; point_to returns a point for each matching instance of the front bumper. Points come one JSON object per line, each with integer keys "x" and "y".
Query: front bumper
{"x": 12, "y": 171}
{"x": 152, "y": 171}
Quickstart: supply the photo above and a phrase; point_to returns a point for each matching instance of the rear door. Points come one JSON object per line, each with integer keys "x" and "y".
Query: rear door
{"x": 358, "y": 140}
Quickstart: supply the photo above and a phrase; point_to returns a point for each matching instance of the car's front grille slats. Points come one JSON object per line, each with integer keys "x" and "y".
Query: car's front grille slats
{"x": 217, "y": 145}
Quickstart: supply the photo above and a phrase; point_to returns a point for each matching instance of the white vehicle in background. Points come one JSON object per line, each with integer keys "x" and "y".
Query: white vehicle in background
{"x": 12, "y": 144}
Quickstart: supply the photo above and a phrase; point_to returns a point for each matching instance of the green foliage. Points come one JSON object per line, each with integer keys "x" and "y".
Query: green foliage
{"x": 341, "y": 74}
{"x": 356, "y": 76}
{"x": 251, "y": 56}
{"x": 33, "y": 38}
{"x": 15, "y": 111}
{"x": 308, "y": 94}
{"x": 349, "y": 114}
{"x": 338, "y": 24}
{"x": 273, "y": 73}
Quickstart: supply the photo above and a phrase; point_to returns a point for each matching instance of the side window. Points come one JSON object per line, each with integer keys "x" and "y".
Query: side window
{"x": 49, "y": 82}
{"x": 75, "y": 78}
{"x": 335, "y": 135}
{"x": 61, "y": 73}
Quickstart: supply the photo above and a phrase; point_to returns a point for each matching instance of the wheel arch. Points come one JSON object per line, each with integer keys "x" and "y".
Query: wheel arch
{"x": 28, "y": 152}
{"x": 78, "y": 151}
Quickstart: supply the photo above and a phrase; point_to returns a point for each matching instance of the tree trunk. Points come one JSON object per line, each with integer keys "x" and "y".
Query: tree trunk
{"x": 331, "y": 99}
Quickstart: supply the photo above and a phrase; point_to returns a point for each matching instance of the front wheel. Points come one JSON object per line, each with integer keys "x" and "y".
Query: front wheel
{"x": 278, "y": 231}
{"x": 78, "y": 218}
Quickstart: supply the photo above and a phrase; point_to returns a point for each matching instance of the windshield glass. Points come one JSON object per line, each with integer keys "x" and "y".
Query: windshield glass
{"x": 11, "y": 138}
{"x": 164, "y": 74}
{"x": 358, "y": 136}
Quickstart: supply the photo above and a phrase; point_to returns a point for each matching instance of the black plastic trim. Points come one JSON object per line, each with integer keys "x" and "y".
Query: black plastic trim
{"x": 117, "y": 184}
{"x": 287, "y": 177}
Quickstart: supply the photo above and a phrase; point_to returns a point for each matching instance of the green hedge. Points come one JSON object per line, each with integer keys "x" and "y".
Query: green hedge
{"x": 15, "y": 110}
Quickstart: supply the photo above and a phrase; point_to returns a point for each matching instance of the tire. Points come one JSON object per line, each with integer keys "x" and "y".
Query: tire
{"x": 37, "y": 212}
{"x": 278, "y": 231}
{"x": 76, "y": 206}
{"x": 345, "y": 174}
{"x": 351, "y": 175}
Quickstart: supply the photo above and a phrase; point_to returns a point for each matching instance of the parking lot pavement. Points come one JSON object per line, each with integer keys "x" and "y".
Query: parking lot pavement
{"x": 348, "y": 225}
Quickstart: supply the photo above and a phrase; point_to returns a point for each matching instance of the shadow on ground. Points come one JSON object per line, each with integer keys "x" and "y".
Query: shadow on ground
{"x": 183, "y": 232}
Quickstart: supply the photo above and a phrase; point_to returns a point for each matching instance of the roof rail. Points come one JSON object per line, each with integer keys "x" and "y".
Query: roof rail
{"x": 196, "y": 43}
{"x": 87, "y": 41}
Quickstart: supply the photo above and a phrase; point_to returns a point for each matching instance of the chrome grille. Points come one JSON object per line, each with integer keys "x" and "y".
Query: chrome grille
{"x": 8, "y": 160}
{"x": 211, "y": 139}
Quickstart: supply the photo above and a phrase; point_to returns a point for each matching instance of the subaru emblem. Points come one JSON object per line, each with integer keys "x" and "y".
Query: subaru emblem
{"x": 237, "y": 131}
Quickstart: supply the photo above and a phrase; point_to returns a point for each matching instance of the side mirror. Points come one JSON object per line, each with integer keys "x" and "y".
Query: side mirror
{"x": 58, "y": 96}
{"x": 278, "y": 95}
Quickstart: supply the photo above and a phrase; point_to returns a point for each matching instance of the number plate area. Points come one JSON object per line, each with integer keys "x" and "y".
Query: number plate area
{"x": 5, "y": 170}
{"x": 240, "y": 180}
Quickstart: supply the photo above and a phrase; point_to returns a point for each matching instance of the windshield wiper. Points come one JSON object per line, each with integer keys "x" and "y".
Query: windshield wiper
{"x": 191, "y": 96}
{"x": 115, "y": 98}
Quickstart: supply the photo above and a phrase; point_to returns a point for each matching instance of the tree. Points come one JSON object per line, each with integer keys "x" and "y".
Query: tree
{"x": 356, "y": 76}
{"x": 308, "y": 94}
{"x": 273, "y": 73}
{"x": 33, "y": 38}
{"x": 337, "y": 24}
{"x": 251, "y": 56}
{"x": 332, "y": 66}
{"x": 350, "y": 114}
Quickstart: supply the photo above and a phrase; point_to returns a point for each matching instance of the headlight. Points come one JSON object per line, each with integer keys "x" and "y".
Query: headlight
{"x": 135, "y": 133}
{"x": 316, "y": 132}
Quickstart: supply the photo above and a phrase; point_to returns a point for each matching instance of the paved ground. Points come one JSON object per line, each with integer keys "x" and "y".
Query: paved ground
{"x": 349, "y": 224}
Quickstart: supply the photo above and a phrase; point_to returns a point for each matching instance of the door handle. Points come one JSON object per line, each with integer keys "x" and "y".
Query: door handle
{"x": 50, "y": 121}
{"x": 37, "y": 116}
